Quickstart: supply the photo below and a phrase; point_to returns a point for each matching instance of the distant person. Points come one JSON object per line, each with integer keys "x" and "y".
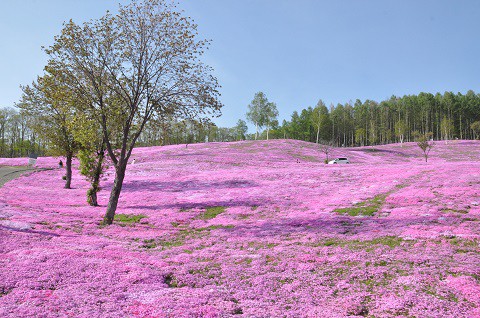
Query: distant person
{"x": 133, "y": 162}
{"x": 60, "y": 164}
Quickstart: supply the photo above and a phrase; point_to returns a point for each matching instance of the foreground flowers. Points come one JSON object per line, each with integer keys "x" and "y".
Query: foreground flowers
{"x": 259, "y": 229}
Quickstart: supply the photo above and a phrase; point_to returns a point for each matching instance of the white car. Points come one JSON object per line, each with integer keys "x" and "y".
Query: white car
{"x": 338, "y": 160}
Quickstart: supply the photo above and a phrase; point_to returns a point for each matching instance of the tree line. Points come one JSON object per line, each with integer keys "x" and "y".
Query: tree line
{"x": 19, "y": 135}
{"x": 17, "y": 138}
{"x": 397, "y": 119}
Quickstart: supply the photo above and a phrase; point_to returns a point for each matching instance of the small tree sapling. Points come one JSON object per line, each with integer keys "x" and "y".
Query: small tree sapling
{"x": 425, "y": 143}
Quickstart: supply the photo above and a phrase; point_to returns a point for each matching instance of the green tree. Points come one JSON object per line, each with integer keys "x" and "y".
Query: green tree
{"x": 241, "y": 129}
{"x": 294, "y": 126}
{"x": 5, "y": 115}
{"x": 425, "y": 143}
{"x": 276, "y": 132}
{"x": 271, "y": 114}
{"x": 305, "y": 128}
{"x": 256, "y": 113}
{"x": 316, "y": 118}
{"x": 400, "y": 130}
{"x": 320, "y": 119}
{"x": 285, "y": 129}
{"x": 476, "y": 128}
{"x": 446, "y": 127}
{"x": 133, "y": 66}
{"x": 91, "y": 154}
{"x": 52, "y": 103}
{"x": 360, "y": 136}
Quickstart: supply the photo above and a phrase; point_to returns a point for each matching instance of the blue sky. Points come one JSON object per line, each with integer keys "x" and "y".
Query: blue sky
{"x": 296, "y": 52}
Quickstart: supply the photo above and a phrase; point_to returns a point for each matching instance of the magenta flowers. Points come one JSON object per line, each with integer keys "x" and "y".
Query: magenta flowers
{"x": 252, "y": 229}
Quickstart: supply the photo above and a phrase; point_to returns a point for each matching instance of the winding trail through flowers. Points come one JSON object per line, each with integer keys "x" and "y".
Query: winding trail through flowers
{"x": 8, "y": 173}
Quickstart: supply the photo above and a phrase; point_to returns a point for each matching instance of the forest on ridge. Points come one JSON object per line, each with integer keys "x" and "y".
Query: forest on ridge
{"x": 446, "y": 116}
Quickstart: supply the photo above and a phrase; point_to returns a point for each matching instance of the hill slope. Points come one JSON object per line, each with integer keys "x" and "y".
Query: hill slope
{"x": 261, "y": 229}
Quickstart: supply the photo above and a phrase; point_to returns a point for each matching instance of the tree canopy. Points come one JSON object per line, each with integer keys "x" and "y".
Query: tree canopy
{"x": 129, "y": 68}
{"x": 262, "y": 113}
{"x": 52, "y": 104}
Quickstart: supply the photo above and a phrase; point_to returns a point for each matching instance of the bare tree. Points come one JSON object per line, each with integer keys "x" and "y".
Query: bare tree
{"x": 132, "y": 66}
{"x": 326, "y": 148}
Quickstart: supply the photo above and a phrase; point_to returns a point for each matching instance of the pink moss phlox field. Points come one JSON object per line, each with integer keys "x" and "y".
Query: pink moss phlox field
{"x": 249, "y": 229}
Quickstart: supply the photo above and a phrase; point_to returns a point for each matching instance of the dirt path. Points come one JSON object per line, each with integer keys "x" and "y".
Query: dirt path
{"x": 8, "y": 173}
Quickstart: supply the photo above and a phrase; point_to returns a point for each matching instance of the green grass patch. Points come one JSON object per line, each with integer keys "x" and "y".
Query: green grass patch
{"x": 365, "y": 208}
{"x": 182, "y": 236}
{"x": 284, "y": 281}
{"x": 211, "y": 212}
{"x": 355, "y": 211}
{"x": 449, "y": 296}
{"x": 149, "y": 243}
{"x": 128, "y": 219}
{"x": 216, "y": 227}
{"x": 446, "y": 210}
{"x": 390, "y": 241}
{"x": 380, "y": 263}
{"x": 464, "y": 246}
{"x": 210, "y": 271}
{"x": 171, "y": 281}
{"x": 383, "y": 280}
{"x": 261, "y": 245}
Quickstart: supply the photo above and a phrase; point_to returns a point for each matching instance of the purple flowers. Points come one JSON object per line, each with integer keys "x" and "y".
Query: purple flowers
{"x": 243, "y": 229}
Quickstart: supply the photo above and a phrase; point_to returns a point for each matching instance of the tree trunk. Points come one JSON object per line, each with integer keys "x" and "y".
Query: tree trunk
{"x": 92, "y": 193}
{"x": 461, "y": 132}
{"x": 68, "y": 167}
{"x": 256, "y": 131}
{"x": 92, "y": 196}
{"x": 318, "y": 133}
{"x": 115, "y": 194}
{"x": 267, "y": 132}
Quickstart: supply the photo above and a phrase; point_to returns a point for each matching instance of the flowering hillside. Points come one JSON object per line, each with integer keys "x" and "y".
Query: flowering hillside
{"x": 250, "y": 229}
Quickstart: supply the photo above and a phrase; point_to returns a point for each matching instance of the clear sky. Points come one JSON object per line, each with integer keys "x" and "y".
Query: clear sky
{"x": 295, "y": 51}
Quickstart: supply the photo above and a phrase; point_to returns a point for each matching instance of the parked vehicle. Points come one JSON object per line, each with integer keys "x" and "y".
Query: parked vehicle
{"x": 338, "y": 160}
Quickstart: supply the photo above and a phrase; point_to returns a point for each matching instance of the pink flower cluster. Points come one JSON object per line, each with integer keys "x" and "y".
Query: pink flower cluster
{"x": 250, "y": 229}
